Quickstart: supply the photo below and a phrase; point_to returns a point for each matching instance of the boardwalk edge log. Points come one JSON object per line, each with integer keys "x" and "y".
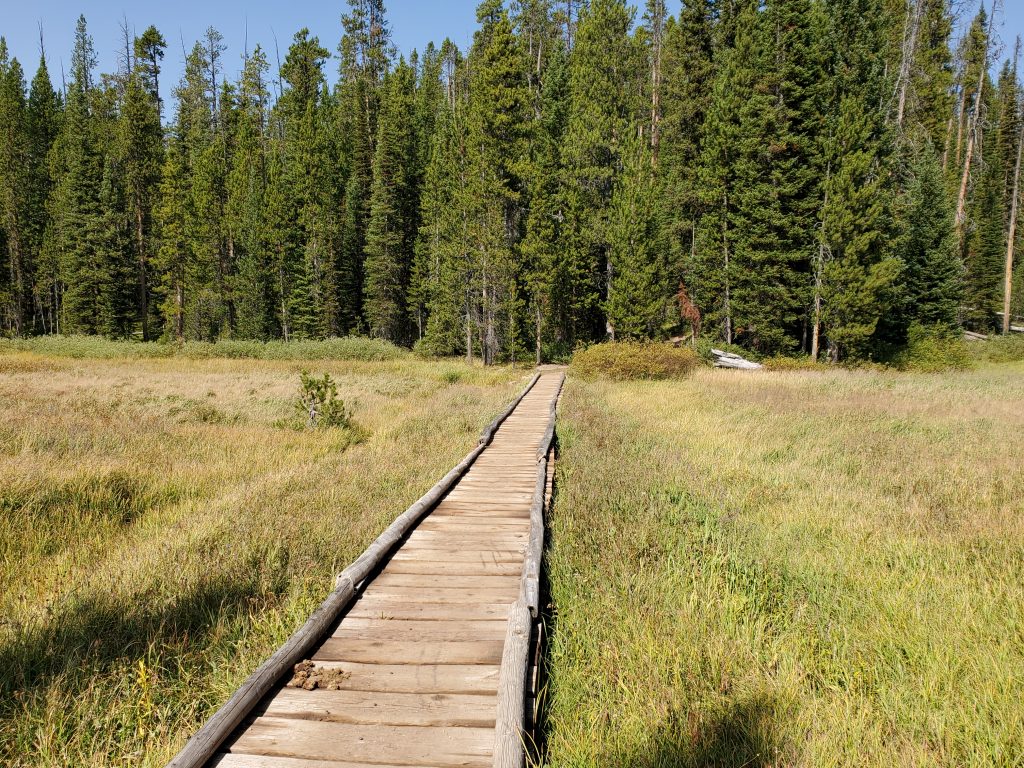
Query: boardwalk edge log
{"x": 205, "y": 742}
{"x": 510, "y": 726}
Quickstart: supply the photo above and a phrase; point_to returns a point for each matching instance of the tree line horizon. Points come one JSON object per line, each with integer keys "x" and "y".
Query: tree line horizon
{"x": 791, "y": 176}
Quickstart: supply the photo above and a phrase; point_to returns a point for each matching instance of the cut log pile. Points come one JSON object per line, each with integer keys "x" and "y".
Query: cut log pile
{"x": 732, "y": 360}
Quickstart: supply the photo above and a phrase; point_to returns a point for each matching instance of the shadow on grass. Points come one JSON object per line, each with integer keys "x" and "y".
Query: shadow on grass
{"x": 740, "y": 732}
{"x": 105, "y": 635}
{"x": 742, "y": 735}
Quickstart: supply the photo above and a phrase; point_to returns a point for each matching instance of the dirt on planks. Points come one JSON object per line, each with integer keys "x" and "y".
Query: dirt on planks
{"x": 308, "y": 677}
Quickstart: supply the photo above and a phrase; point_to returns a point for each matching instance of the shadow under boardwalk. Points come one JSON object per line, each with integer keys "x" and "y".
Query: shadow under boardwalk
{"x": 409, "y": 675}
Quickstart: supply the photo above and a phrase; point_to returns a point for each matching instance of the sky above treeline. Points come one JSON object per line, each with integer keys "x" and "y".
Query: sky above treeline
{"x": 414, "y": 23}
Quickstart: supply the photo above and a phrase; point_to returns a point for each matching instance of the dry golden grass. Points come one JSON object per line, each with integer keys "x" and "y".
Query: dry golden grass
{"x": 790, "y": 569}
{"x": 164, "y": 526}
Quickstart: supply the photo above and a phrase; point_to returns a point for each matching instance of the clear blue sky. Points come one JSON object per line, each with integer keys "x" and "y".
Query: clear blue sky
{"x": 413, "y": 22}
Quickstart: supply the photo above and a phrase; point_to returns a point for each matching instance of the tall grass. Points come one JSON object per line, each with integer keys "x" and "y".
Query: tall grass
{"x": 97, "y": 347}
{"x": 789, "y": 569}
{"x": 163, "y": 527}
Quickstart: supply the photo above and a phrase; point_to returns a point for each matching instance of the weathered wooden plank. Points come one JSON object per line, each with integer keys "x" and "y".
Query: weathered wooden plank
{"x": 400, "y": 744}
{"x": 454, "y": 548}
{"x": 451, "y": 554}
{"x": 417, "y": 631}
{"x": 388, "y": 579}
{"x": 416, "y": 678}
{"x": 441, "y": 595}
{"x": 463, "y": 567}
{"x": 368, "y": 707}
{"x": 374, "y": 651}
{"x": 225, "y": 760}
{"x": 384, "y": 606}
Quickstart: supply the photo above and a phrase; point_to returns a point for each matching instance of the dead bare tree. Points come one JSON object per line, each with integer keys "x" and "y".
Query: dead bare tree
{"x": 972, "y": 133}
{"x": 1012, "y": 234}
{"x": 911, "y": 30}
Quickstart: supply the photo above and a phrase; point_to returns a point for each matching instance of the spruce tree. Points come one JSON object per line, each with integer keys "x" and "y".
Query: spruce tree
{"x": 637, "y": 297}
{"x": 441, "y": 268}
{"x": 42, "y": 120}
{"x": 547, "y": 278}
{"x": 304, "y": 114}
{"x": 687, "y": 80}
{"x": 393, "y": 202}
{"x": 858, "y": 270}
{"x": 247, "y": 189}
{"x": 75, "y": 208}
{"x": 932, "y": 273}
{"x": 366, "y": 53}
{"x": 497, "y": 152}
{"x": 606, "y": 70}
{"x": 15, "y": 296}
{"x": 140, "y": 156}
{"x": 175, "y": 260}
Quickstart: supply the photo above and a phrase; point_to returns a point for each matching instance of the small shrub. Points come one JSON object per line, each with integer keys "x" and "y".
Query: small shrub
{"x": 319, "y": 403}
{"x": 451, "y": 376}
{"x": 999, "y": 349}
{"x": 782, "y": 363}
{"x": 932, "y": 349}
{"x": 627, "y": 360}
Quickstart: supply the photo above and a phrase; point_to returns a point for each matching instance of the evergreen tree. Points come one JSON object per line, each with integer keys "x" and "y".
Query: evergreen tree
{"x": 366, "y": 53}
{"x": 441, "y": 269}
{"x": 15, "y": 291}
{"x": 139, "y": 155}
{"x": 497, "y": 153}
{"x": 393, "y": 203}
{"x": 606, "y": 71}
{"x": 857, "y": 269}
{"x": 932, "y": 273}
{"x": 304, "y": 113}
{"x": 687, "y": 80}
{"x": 247, "y": 190}
{"x": 636, "y": 297}
{"x": 43, "y": 117}
{"x": 176, "y": 264}
{"x": 547, "y": 276}
{"x": 75, "y": 206}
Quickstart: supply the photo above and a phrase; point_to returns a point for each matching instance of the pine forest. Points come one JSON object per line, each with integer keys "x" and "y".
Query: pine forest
{"x": 795, "y": 177}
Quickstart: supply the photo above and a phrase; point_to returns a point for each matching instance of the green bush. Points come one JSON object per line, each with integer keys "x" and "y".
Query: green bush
{"x": 932, "y": 349}
{"x": 999, "y": 349}
{"x": 319, "y": 403}
{"x": 626, "y": 360}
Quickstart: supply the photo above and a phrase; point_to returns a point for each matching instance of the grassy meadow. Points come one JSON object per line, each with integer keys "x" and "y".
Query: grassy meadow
{"x": 164, "y": 524}
{"x": 789, "y": 569}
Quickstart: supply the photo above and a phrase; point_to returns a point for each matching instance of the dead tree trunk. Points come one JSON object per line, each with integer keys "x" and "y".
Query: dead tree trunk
{"x": 911, "y": 29}
{"x": 1012, "y": 235}
{"x": 972, "y": 133}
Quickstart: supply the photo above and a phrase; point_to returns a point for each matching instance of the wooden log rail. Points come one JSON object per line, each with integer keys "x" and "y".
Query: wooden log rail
{"x": 510, "y": 716}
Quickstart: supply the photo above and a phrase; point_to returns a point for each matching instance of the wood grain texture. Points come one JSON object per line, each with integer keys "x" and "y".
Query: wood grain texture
{"x": 428, "y": 638}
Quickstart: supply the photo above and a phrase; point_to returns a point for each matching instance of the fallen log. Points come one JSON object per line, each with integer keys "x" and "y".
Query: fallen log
{"x": 732, "y": 360}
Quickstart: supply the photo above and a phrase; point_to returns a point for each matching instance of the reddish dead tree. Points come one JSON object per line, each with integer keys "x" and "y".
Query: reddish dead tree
{"x": 688, "y": 311}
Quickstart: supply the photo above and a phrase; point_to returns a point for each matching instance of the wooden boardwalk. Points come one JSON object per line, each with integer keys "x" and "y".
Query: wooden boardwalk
{"x": 410, "y": 674}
